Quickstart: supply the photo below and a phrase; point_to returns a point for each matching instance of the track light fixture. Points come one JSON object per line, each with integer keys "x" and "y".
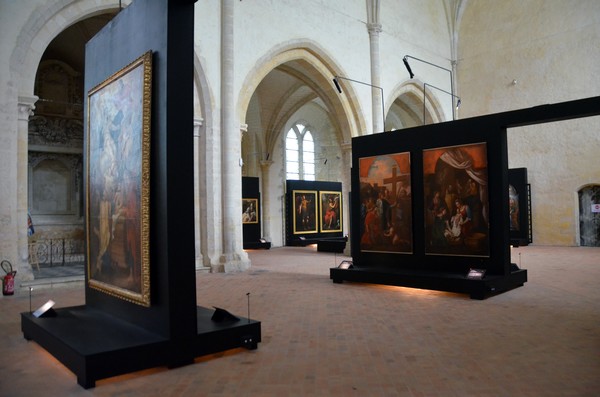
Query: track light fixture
{"x": 458, "y": 102}
{"x": 339, "y": 88}
{"x": 410, "y": 72}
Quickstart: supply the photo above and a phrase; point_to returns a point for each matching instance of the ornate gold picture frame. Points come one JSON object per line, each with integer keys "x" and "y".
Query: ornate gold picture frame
{"x": 249, "y": 210}
{"x": 118, "y": 183}
{"x": 330, "y": 211}
{"x": 305, "y": 211}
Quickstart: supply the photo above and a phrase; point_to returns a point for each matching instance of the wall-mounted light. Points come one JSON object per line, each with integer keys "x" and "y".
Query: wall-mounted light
{"x": 410, "y": 72}
{"x": 339, "y": 88}
{"x": 458, "y": 102}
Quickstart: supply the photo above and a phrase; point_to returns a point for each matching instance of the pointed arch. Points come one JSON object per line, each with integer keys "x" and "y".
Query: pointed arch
{"x": 42, "y": 27}
{"x": 317, "y": 70}
{"x": 409, "y": 96}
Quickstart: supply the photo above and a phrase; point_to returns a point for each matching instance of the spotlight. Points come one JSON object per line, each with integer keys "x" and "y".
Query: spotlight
{"x": 345, "y": 265}
{"x": 339, "y": 88}
{"x": 337, "y": 85}
{"x": 410, "y": 72}
{"x": 425, "y": 85}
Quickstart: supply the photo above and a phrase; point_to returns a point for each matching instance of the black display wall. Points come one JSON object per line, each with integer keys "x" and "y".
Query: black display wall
{"x": 112, "y": 334}
{"x": 423, "y": 240}
{"x": 313, "y": 212}
{"x": 252, "y": 214}
{"x": 519, "y": 197}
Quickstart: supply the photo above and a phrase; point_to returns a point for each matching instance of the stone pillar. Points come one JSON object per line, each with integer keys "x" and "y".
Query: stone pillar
{"x": 25, "y": 111}
{"x": 266, "y": 199}
{"x": 199, "y": 260}
{"x": 346, "y": 187}
{"x": 233, "y": 257}
{"x": 374, "y": 28}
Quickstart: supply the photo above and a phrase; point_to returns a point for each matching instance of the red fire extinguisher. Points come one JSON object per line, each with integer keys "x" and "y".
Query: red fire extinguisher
{"x": 8, "y": 281}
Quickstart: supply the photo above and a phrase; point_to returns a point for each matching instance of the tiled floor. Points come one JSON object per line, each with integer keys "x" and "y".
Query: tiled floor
{"x": 325, "y": 339}
{"x": 58, "y": 271}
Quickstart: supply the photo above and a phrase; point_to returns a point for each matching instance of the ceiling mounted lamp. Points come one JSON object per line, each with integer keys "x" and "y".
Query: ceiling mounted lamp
{"x": 339, "y": 88}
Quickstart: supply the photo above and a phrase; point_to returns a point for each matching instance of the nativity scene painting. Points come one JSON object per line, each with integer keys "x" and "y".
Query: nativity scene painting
{"x": 385, "y": 204}
{"x": 456, "y": 200}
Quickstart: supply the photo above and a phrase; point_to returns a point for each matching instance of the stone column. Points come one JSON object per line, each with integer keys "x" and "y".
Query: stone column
{"x": 374, "y": 28}
{"x": 346, "y": 187}
{"x": 25, "y": 111}
{"x": 233, "y": 257}
{"x": 265, "y": 167}
{"x": 199, "y": 260}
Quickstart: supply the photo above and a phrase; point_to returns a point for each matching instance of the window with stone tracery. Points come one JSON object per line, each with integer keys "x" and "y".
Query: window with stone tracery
{"x": 300, "y": 153}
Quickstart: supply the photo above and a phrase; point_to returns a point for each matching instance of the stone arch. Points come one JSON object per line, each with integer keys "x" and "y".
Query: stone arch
{"x": 43, "y": 26}
{"x": 409, "y": 96}
{"x": 206, "y": 163}
{"x": 347, "y": 116}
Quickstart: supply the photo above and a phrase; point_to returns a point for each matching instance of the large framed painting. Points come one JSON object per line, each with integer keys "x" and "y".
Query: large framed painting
{"x": 305, "y": 211}
{"x": 118, "y": 188}
{"x": 386, "y": 203}
{"x": 330, "y": 214}
{"x": 249, "y": 210}
{"x": 456, "y": 200}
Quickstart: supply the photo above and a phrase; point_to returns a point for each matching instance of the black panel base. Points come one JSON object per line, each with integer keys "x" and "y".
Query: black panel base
{"x": 477, "y": 289}
{"x": 94, "y": 345}
{"x": 334, "y": 245}
{"x": 516, "y": 242}
{"x": 249, "y": 245}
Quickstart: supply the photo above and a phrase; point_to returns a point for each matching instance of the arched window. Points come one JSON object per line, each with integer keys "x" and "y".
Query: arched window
{"x": 300, "y": 154}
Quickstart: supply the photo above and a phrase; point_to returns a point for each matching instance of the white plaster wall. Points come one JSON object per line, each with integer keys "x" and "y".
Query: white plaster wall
{"x": 550, "y": 49}
{"x": 417, "y": 28}
{"x": 338, "y": 28}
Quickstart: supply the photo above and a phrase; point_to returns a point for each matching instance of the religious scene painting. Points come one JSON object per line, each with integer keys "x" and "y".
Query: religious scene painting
{"x": 513, "y": 208}
{"x": 331, "y": 220}
{"x": 456, "y": 200}
{"x": 118, "y": 183}
{"x": 249, "y": 210}
{"x": 386, "y": 203}
{"x": 305, "y": 211}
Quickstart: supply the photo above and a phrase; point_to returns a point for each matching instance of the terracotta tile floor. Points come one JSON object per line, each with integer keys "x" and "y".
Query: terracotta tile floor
{"x": 325, "y": 339}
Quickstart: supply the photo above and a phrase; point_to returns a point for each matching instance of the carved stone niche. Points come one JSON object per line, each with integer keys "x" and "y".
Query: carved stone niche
{"x": 58, "y": 119}
{"x": 59, "y": 88}
{"x": 55, "y": 183}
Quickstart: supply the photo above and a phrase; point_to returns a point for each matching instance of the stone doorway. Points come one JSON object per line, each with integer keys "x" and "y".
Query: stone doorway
{"x": 589, "y": 216}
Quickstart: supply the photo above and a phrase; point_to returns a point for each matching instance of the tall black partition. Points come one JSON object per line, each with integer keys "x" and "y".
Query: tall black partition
{"x": 313, "y": 213}
{"x": 252, "y": 214}
{"x": 112, "y": 334}
{"x": 437, "y": 236}
{"x": 519, "y": 198}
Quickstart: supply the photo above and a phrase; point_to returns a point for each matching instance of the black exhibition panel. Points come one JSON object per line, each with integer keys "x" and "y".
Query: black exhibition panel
{"x": 306, "y": 208}
{"x": 519, "y": 197}
{"x": 448, "y": 269}
{"x": 252, "y": 214}
{"x": 110, "y": 336}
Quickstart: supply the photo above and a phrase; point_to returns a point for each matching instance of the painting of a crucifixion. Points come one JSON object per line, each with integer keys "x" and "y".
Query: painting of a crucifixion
{"x": 385, "y": 204}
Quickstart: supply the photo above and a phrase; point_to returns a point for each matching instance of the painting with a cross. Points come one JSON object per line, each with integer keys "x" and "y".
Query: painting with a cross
{"x": 386, "y": 206}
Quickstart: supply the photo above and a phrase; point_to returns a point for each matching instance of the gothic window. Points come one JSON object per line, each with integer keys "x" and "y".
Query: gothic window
{"x": 300, "y": 153}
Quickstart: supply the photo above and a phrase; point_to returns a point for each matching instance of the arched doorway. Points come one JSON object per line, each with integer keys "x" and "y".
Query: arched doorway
{"x": 589, "y": 216}
{"x": 55, "y": 148}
